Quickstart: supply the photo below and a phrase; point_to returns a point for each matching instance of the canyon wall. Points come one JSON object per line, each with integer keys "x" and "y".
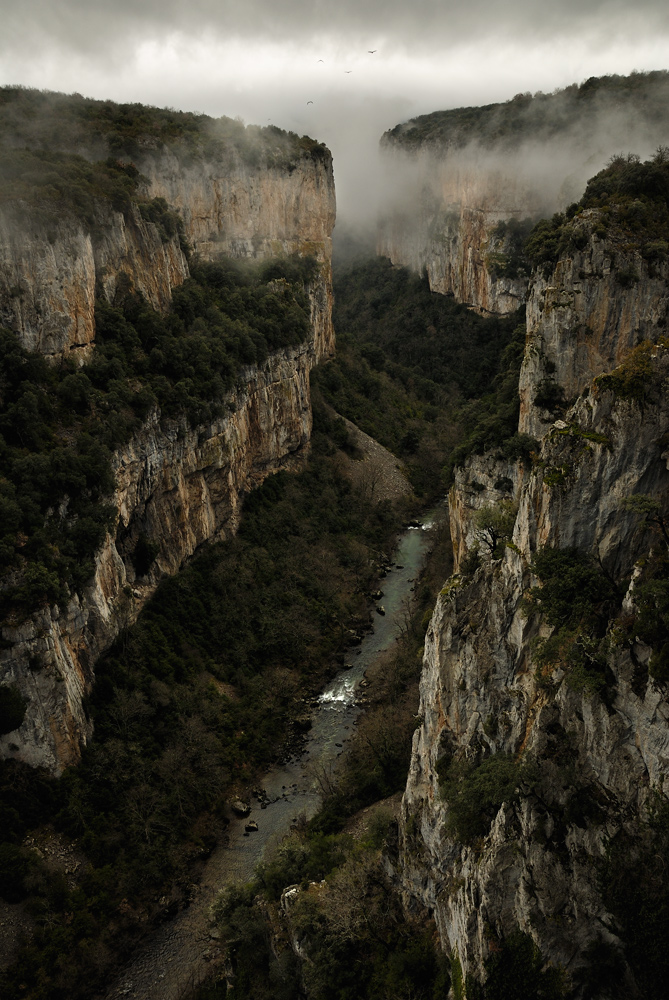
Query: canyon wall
{"x": 599, "y": 753}
{"x": 452, "y": 232}
{"x": 176, "y": 485}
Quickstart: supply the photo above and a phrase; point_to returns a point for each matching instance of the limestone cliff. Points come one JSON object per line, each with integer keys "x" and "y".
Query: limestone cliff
{"x": 51, "y": 273}
{"x": 586, "y": 315}
{"x": 455, "y": 175}
{"x": 453, "y": 233}
{"x": 176, "y": 485}
{"x": 600, "y": 753}
{"x": 51, "y": 269}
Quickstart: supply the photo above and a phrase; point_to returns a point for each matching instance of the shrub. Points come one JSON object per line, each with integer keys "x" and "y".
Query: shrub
{"x": 474, "y": 793}
{"x": 549, "y": 396}
{"x": 60, "y": 423}
{"x": 518, "y": 971}
{"x": 635, "y": 888}
{"x": 634, "y": 376}
{"x": 15, "y": 865}
{"x": 12, "y": 708}
{"x": 578, "y": 600}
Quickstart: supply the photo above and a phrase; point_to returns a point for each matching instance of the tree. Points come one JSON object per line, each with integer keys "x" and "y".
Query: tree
{"x": 495, "y": 522}
{"x": 649, "y": 511}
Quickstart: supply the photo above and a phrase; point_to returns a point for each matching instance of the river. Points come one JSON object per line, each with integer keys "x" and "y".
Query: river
{"x": 178, "y": 955}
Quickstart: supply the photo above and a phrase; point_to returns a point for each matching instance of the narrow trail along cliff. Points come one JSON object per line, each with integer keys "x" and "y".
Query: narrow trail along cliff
{"x": 183, "y": 951}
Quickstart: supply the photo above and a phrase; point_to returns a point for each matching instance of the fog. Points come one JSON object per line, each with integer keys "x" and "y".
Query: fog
{"x": 264, "y": 62}
{"x": 530, "y": 164}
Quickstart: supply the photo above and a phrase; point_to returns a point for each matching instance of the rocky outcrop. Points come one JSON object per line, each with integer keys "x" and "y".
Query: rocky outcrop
{"x": 585, "y": 316}
{"x": 245, "y": 211}
{"x": 598, "y": 755}
{"x": 179, "y": 487}
{"x": 50, "y": 273}
{"x": 176, "y": 486}
{"x": 456, "y": 251}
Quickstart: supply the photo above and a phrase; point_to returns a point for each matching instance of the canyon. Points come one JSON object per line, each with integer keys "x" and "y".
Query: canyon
{"x": 541, "y": 745}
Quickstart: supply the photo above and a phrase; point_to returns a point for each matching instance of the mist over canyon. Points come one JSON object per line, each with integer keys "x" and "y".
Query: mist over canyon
{"x": 209, "y": 448}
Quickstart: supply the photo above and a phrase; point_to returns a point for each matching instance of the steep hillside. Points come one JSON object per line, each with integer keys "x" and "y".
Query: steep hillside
{"x": 106, "y": 210}
{"x": 535, "y": 817}
{"x": 478, "y": 177}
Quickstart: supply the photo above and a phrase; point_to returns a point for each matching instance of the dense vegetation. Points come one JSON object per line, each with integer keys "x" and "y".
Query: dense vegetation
{"x": 359, "y": 942}
{"x": 650, "y": 621}
{"x": 517, "y": 970}
{"x": 419, "y": 372}
{"x": 188, "y": 704}
{"x": 59, "y": 423}
{"x": 635, "y": 887}
{"x": 639, "y": 96}
{"x": 632, "y": 202}
{"x": 474, "y": 791}
{"x": 62, "y": 131}
{"x": 578, "y": 600}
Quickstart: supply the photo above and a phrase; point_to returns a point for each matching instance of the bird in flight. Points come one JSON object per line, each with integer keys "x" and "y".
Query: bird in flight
{"x": 348, "y": 70}
{"x": 320, "y": 60}
{"x": 310, "y": 102}
{"x": 372, "y": 51}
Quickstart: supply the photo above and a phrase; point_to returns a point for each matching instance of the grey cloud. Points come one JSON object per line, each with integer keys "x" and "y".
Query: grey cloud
{"x": 92, "y": 26}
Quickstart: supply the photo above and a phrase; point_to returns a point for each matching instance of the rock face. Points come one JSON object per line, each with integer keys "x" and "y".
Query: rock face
{"x": 584, "y": 317}
{"x": 177, "y": 486}
{"x": 50, "y": 274}
{"x": 481, "y": 694}
{"x": 51, "y": 271}
{"x": 453, "y": 236}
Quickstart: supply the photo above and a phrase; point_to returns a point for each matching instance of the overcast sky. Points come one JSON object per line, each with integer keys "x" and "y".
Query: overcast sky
{"x": 261, "y": 59}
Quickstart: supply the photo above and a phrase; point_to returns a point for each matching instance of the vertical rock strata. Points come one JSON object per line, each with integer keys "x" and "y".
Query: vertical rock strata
{"x": 178, "y": 486}
{"x": 451, "y": 236}
{"x": 50, "y": 274}
{"x": 536, "y": 866}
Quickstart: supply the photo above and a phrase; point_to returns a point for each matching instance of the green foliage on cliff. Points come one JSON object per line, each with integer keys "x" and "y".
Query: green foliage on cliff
{"x": 12, "y": 708}
{"x": 635, "y": 887}
{"x": 649, "y": 622}
{"x": 192, "y": 701}
{"x": 630, "y": 200}
{"x": 50, "y": 122}
{"x": 578, "y": 600}
{"x": 538, "y": 118}
{"x": 407, "y": 358}
{"x": 509, "y": 259}
{"x": 494, "y": 525}
{"x": 64, "y": 157}
{"x": 517, "y": 970}
{"x": 54, "y": 479}
{"x": 59, "y": 423}
{"x": 636, "y": 377}
{"x": 491, "y": 422}
{"x": 62, "y": 184}
{"x": 475, "y": 790}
